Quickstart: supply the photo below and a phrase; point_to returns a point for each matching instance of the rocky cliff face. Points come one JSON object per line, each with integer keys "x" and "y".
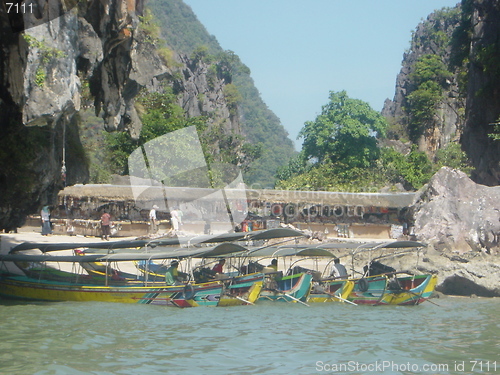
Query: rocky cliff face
{"x": 199, "y": 97}
{"x": 447, "y": 121}
{"x": 41, "y": 77}
{"x": 483, "y": 91}
{"x": 460, "y": 222}
{"x": 470, "y": 99}
{"x": 454, "y": 212}
{"x": 98, "y": 48}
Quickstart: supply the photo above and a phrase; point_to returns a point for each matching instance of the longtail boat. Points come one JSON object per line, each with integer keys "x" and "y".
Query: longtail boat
{"x": 324, "y": 288}
{"x": 383, "y": 285}
{"x": 137, "y": 291}
{"x": 292, "y": 287}
{"x": 25, "y": 288}
{"x": 49, "y": 284}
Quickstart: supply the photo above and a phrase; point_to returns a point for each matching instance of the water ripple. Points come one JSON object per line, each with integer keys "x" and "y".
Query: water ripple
{"x": 272, "y": 338}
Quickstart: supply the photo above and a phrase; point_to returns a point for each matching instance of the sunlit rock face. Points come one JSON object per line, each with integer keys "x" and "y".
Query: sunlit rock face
{"x": 94, "y": 54}
{"x": 470, "y": 101}
{"x": 453, "y": 212}
{"x": 44, "y": 62}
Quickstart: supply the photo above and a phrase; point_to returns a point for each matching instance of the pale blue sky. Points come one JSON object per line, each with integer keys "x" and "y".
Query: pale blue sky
{"x": 298, "y": 51}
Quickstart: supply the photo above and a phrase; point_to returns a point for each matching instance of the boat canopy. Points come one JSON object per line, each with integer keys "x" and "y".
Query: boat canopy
{"x": 223, "y": 249}
{"x": 178, "y": 253}
{"x": 49, "y": 258}
{"x": 371, "y": 245}
{"x": 46, "y": 247}
{"x": 289, "y": 251}
{"x": 264, "y": 234}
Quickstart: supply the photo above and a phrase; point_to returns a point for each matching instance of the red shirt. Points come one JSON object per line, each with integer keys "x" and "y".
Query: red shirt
{"x": 218, "y": 268}
{"x": 105, "y": 219}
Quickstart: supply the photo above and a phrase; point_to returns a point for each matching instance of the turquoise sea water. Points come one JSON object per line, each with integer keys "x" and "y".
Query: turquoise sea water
{"x": 461, "y": 336}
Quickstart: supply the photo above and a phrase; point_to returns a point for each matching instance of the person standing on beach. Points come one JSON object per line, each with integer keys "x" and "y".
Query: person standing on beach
{"x": 105, "y": 226}
{"x": 45, "y": 215}
{"x": 152, "y": 219}
{"x": 176, "y": 219}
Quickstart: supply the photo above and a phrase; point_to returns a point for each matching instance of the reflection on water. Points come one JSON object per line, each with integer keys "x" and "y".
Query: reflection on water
{"x": 272, "y": 338}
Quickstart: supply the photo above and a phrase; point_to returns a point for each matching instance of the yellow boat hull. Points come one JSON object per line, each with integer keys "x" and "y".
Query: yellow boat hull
{"x": 251, "y": 296}
{"x": 23, "y": 288}
{"x": 344, "y": 293}
{"x": 414, "y": 297}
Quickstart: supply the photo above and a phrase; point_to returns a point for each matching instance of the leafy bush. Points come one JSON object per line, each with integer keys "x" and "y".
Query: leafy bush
{"x": 452, "y": 156}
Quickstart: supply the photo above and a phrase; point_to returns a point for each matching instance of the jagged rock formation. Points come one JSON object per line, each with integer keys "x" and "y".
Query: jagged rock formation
{"x": 483, "y": 91}
{"x": 96, "y": 48}
{"x": 447, "y": 121}
{"x": 460, "y": 222}
{"x": 198, "y": 97}
{"x": 467, "y": 42}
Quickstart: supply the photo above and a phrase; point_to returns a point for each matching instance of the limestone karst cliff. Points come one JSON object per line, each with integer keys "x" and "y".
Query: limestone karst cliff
{"x": 483, "y": 90}
{"x": 448, "y": 89}
{"x": 97, "y": 53}
{"x": 431, "y": 37}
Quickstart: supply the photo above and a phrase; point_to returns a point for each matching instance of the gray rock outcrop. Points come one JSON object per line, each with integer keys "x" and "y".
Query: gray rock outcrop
{"x": 453, "y": 212}
{"x": 460, "y": 222}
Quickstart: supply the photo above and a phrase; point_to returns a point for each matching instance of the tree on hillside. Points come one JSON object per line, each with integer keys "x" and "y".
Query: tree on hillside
{"x": 339, "y": 151}
{"x": 345, "y": 132}
{"x": 429, "y": 76}
{"x": 161, "y": 115}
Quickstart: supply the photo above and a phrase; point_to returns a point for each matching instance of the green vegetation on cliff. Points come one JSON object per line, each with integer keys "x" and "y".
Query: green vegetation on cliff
{"x": 429, "y": 76}
{"x": 161, "y": 115}
{"x": 342, "y": 151}
{"x": 182, "y": 32}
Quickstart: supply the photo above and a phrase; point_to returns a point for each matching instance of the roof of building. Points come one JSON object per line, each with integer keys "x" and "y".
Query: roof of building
{"x": 155, "y": 193}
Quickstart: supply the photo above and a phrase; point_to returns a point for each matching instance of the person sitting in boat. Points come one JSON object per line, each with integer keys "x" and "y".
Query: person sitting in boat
{"x": 203, "y": 275}
{"x": 172, "y": 274}
{"x": 338, "y": 270}
{"x": 254, "y": 267}
{"x": 274, "y": 265}
{"x": 218, "y": 268}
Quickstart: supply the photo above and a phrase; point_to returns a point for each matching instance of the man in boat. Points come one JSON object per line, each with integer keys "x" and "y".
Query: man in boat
{"x": 274, "y": 265}
{"x": 218, "y": 268}
{"x": 172, "y": 274}
{"x": 105, "y": 226}
{"x": 338, "y": 270}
